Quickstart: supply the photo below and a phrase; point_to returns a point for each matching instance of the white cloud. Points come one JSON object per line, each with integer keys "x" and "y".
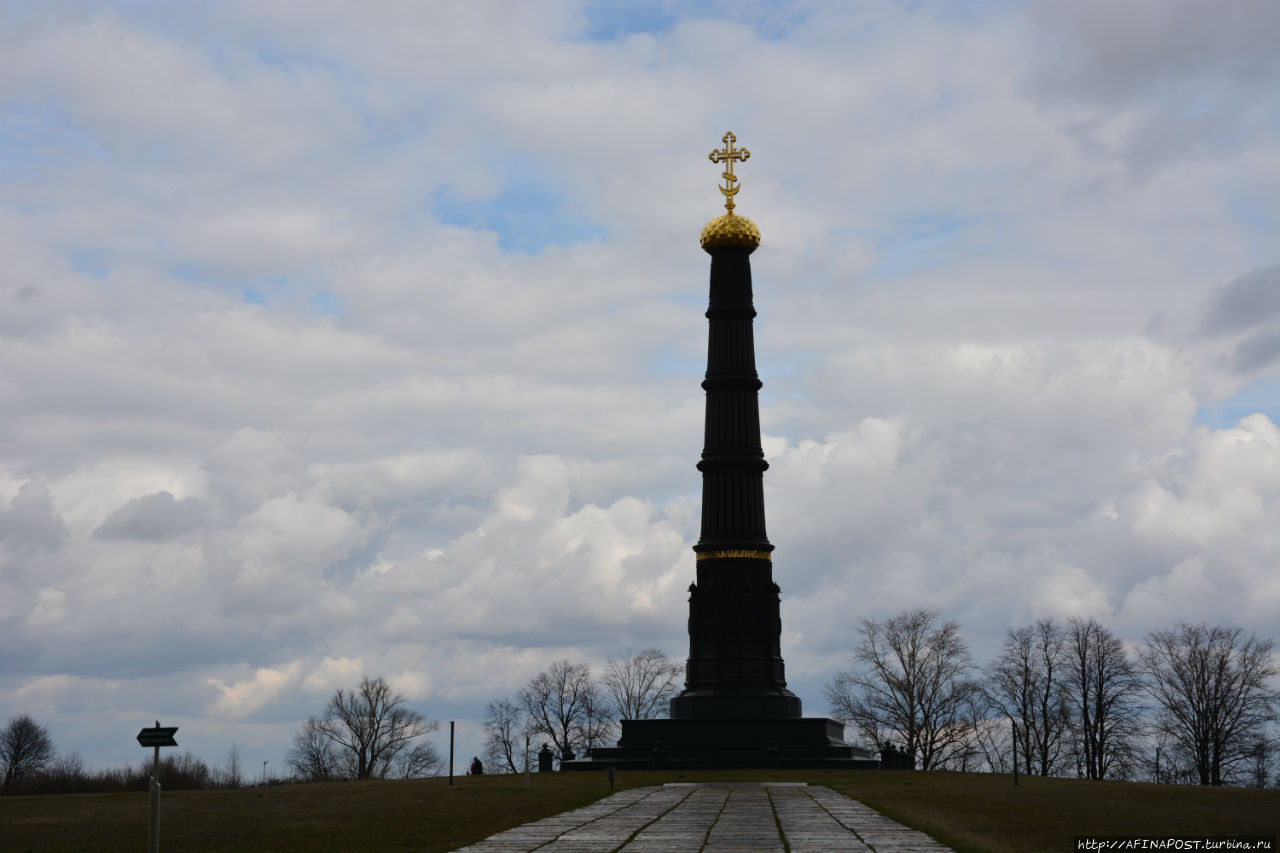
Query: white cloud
{"x": 333, "y": 673}
{"x": 244, "y": 697}
{"x": 413, "y": 685}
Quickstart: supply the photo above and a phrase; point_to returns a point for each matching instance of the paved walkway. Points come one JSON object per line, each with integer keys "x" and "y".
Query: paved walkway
{"x": 699, "y": 818}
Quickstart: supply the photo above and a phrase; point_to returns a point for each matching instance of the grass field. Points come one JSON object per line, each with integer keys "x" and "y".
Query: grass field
{"x": 970, "y": 812}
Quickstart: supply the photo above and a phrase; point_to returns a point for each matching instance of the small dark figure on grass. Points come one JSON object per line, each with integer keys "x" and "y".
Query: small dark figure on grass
{"x": 477, "y": 769}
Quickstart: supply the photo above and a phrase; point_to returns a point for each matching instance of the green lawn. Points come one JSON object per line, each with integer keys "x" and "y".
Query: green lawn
{"x": 971, "y": 812}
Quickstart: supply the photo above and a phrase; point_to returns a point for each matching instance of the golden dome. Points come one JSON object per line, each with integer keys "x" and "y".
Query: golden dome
{"x": 730, "y": 230}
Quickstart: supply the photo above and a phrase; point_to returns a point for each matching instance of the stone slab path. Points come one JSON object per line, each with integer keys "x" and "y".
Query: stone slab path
{"x": 701, "y": 818}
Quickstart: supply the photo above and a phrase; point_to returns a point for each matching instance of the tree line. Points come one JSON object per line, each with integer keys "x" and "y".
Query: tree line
{"x": 31, "y": 765}
{"x": 1193, "y": 704}
{"x": 364, "y": 732}
{"x": 566, "y": 708}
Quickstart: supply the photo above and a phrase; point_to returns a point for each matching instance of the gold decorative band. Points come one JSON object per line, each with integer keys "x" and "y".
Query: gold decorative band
{"x": 715, "y": 555}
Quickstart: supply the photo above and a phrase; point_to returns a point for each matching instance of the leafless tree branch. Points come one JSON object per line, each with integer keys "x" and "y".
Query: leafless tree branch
{"x": 910, "y": 679}
{"x": 1214, "y": 687}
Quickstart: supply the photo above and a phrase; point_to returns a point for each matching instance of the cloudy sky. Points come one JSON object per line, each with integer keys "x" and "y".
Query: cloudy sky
{"x": 344, "y": 338}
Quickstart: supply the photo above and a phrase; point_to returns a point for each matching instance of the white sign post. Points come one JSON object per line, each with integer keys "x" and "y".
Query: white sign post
{"x": 156, "y": 737}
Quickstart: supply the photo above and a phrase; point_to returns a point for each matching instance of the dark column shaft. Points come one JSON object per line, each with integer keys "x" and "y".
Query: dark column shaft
{"x": 735, "y": 666}
{"x": 732, "y": 461}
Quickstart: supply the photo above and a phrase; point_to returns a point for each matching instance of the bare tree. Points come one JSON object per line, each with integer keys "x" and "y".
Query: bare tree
{"x": 642, "y": 685}
{"x": 1163, "y": 760}
{"x": 993, "y": 743}
{"x": 505, "y": 727}
{"x": 1261, "y": 762}
{"x": 422, "y": 759}
{"x": 186, "y": 771}
{"x": 64, "y": 775}
{"x": 565, "y": 704}
{"x": 232, "y": 773}
{"x": 968, "y": 754}
{"x": 312, "y": 756}
{"x": 25, "y": 749}
{"x": 1102, "y": 689}
{"x": 1213, "y": 686}
{"x": 368, "y": 732}
{"x": 910, "y": 679}
{"x": 599, "y": 725}
{"x": 1025, "y": 683}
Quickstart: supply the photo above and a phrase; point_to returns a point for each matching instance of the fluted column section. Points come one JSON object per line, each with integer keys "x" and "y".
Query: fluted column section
{"x": 732, "y": 462}
{"x": 735, "y": 667}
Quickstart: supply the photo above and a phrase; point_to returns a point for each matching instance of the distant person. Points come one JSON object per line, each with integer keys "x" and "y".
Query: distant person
{"x": 477, "y": 769}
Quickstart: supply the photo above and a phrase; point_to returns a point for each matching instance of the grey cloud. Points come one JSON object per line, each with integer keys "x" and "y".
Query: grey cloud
{"x": 154, "y": 518}
{"x": 31, "y": 522}
{"x": 1257, "y": 352}
{"x": 1153, "y": 81}
{"x": 1119, "y": 51}
{"x": 1244, "y": 318}
{"x": 1250, "y": 300}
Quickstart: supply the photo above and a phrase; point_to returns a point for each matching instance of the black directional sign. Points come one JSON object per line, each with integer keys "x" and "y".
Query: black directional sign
{"x": 158, "y": 736}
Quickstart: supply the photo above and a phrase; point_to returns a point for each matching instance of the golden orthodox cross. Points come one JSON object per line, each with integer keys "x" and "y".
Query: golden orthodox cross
{"x": 728, "y": 155}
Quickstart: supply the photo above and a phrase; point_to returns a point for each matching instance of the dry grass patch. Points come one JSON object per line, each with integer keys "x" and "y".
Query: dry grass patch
{"x": 974, "y": 813}
{"x": 985, "y": 813}
{"x": 420, "y": 815}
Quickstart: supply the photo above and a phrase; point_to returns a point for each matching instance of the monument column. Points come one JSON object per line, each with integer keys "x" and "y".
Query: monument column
{"x": 735, "y": 710}
{"x": 735, "y": 668}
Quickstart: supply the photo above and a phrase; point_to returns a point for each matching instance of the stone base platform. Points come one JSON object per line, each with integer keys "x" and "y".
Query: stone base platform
{"x": 684, "y": 744}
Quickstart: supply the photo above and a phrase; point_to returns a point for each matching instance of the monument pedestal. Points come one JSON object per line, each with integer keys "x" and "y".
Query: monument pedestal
{"x": 724, "y": 744}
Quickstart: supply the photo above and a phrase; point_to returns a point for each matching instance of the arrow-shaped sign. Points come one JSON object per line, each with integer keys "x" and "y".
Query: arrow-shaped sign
{"x": 158, "y": 736}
